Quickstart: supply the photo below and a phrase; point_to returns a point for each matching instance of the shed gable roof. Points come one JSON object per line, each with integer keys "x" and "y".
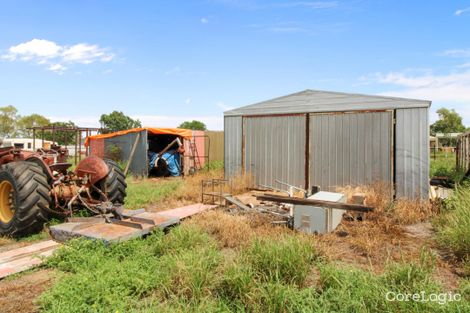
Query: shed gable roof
{"x": 310, "y": 101}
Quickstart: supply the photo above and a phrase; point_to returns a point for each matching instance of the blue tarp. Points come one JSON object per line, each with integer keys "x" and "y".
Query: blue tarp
{"x": 171, "y": 158}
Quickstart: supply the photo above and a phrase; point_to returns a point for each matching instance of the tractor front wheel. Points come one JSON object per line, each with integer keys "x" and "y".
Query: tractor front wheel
{"x": 114, "y": 184}
{"x": 24, "y": 198}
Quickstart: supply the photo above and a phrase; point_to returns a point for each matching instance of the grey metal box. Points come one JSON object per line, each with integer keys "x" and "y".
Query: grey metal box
{"x": 315, "y": 219}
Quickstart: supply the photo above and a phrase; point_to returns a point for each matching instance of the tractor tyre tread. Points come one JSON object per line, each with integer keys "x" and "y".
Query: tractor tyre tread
{"x": 32, "y": 198}
{"x": 115, "y": 183}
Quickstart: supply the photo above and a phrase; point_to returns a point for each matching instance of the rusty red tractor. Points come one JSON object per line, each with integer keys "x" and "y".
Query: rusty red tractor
{"x": 35, "y": 186}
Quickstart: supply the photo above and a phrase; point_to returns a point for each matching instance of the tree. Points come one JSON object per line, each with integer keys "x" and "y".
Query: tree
{"x": 117, "y": 121}
{"x": 194, "y": 125}
{"x": 61, "y": 137}
{"x": 33, "y": 120}
{"x": 449, "y": 122}
{"x": 8, "y": 118}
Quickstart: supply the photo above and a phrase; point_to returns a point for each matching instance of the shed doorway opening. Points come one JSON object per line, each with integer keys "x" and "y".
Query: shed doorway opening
{"x": 165, "y": 155}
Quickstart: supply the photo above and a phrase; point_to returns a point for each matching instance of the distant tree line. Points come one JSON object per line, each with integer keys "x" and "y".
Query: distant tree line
{"x": 14, "y": 125}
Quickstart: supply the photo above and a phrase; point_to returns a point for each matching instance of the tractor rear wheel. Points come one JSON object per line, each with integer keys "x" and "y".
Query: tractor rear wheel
{"x": 24, "y": 198}
{"x": 114, "y": 185}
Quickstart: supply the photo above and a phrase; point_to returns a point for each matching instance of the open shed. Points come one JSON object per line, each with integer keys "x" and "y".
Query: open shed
{"x": 119, "y": 145}
{"x": 331, "y": 139}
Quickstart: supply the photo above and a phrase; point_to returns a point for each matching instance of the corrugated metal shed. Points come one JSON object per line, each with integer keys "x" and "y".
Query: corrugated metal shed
{"x": 332, "y": 139}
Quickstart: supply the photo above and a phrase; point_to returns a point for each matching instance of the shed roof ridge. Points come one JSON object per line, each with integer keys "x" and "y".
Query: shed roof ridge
{"x": 307, "y": 98}
{"x": 269, "y": 100}
{"x": 370, "y": 96}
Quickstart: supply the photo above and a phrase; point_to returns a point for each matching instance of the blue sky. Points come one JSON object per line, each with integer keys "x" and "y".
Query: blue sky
{"x": 168, "y": 61}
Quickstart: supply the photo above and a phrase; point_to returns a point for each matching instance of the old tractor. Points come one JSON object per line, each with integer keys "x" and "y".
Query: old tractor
{"x": 35, "y": 186}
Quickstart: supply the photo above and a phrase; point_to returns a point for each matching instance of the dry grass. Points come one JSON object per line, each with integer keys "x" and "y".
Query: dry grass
{"x": 372, "y": 243}
{"x": 181, "y": 191}
{"x": 381, "y": 237}
{"x": 230, "y": 231}
{"x": 400, "y": 211}
{"x": 234, "y": 231}
{"x": 190, "y": 190}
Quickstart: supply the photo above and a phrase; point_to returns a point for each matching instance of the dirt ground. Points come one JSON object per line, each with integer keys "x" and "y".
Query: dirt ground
{"x": 20, "y": 294}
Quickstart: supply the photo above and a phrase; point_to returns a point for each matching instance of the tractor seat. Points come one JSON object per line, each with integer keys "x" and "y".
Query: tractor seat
{"x": 60, "y": 167}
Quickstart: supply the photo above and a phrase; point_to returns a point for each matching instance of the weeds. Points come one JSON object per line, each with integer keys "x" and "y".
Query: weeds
{"x": 114, "y": 278}
{"x": 185, "y": 271}
{"x": 286, "y": 259}
{"x": 453, "y": 225}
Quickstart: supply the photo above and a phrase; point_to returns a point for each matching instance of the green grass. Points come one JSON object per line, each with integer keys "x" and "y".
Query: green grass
{"x": 145, "y": 192}
{"x": 185, "y": 271}
{"x": 444, "y": 164}
{"x": 453, "y": 224}
{"x": 214, "y": 165}
{"x": 34, "y": 237}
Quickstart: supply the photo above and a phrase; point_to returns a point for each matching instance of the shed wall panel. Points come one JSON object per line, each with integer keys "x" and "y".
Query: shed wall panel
{"x": 139, "y": 163}
{"x": 199, "y": 152}
{"x": 233, "y": 145}
{"x": 275, "y": 149}
{"x": 350, "y": 149}
{"x": 97, "y": 147}
{"x": 412, "y": 153}
{"x": 214, "y": 146}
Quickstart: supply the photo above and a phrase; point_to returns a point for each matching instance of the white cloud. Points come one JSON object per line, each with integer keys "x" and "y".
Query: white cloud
{"x": 253, "y": 5}
{"x": 39, "y": 49}
{"x": 86, "y": 54}
{"x": 223, "y": 106}
{"x": 296, "y": 27}
{"x": 451, "y": 87}
{"x": 54, "y": 56}
{"x": 57, "y": 68}
{"x": 457, "y": 53}
{"x": 212, "y": 122}
{"x": 451, "y": 90}
{"x": 286, "y": 29}
{"x": 187, "y": 101}
{"x": 462, "y": 11}
{"x": 315, "y": 5}
{"x": 82, "y": 121}
{"x": 173, "y": 70}
{"x": 204, "y": 20}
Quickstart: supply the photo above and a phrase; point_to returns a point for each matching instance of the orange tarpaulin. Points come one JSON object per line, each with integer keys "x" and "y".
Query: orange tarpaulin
{"x": 186, "y": 133}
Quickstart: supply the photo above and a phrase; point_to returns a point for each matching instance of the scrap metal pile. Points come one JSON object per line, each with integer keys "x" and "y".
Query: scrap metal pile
{"x": 315, "y": 212}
